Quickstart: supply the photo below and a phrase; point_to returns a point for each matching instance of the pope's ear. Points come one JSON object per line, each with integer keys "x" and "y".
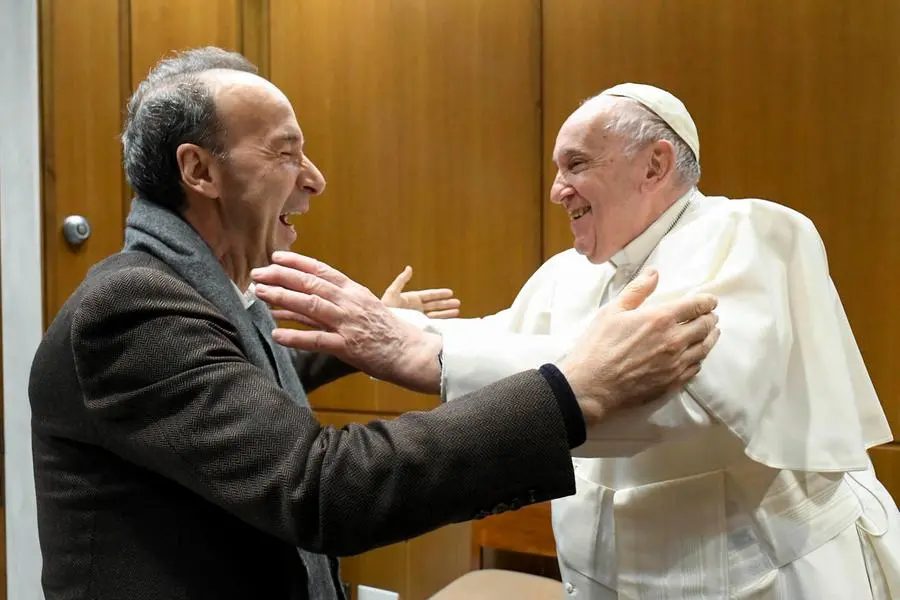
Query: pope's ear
{"x": 660, "y": 162}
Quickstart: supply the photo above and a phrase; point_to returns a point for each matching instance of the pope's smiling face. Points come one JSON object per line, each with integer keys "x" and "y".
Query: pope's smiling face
{"x": 609, "y": 190}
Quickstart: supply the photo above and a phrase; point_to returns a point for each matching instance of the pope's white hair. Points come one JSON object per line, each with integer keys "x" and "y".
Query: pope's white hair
{"x": 640, "y": 126}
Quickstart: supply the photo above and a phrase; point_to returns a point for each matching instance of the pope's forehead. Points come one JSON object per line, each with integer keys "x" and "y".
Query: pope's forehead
{"x": 585, "y": 126}
{"x": 593, "y": 112}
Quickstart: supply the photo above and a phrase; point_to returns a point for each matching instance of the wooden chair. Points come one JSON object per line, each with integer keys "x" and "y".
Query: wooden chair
{"x": 527, "y": 531}
{"x": 493, "y": 584}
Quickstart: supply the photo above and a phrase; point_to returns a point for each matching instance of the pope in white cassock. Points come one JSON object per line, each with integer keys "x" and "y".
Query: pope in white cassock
{"x": 753, "y": 480}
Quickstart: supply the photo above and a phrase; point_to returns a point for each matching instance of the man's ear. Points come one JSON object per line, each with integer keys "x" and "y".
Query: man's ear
{"x": 660, "y": 162}
{"x": 199, "y": 171}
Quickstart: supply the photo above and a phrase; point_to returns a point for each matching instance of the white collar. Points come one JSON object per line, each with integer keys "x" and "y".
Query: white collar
{"x": 636, "y": 252}
{"x": 248, "y": 297}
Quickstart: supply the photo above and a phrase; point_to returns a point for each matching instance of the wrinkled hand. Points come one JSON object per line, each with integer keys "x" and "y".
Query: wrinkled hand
{"x": 631, "y": 355}
{"x": 435, "y": 303}
{"x": 349, "y": 322}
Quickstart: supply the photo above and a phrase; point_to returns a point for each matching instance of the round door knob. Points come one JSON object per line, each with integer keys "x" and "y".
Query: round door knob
{"x": 76, "y": 229}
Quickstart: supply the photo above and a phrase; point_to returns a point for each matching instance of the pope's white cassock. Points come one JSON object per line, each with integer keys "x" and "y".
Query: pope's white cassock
{"x": 753, "y": 480}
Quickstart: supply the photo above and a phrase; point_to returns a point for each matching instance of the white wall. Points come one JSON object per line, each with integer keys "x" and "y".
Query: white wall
{"x": 20, "y": 269}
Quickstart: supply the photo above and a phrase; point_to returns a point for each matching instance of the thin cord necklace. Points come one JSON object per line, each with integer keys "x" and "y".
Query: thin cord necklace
{"x": 641, "y": 266}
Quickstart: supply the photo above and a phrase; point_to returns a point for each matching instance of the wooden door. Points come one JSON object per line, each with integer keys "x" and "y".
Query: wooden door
{"x": 93, "y": 54}
{"x": 795, "y": 102}
{"x": 83, "y": 84}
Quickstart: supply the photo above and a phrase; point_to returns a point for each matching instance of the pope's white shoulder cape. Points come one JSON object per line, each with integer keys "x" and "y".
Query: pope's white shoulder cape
{"x": 786, "y": 376}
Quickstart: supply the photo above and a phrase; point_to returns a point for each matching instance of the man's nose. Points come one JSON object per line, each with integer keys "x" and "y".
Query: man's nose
{"x": 311, "y": 179}
{"x": 560, "y": 190}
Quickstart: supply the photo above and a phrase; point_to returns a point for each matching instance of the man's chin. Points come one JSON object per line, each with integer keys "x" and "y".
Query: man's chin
{"x": 283, "y": 243}
{"x": 271, "y": 249}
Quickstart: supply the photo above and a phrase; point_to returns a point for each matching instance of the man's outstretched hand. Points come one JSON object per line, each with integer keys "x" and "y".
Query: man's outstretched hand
{"x": 435, "y": 303}
{"x": 349, "y": 322}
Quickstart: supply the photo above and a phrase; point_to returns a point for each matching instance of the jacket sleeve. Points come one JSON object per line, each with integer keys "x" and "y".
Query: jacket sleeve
{"x": 167, "y": 387}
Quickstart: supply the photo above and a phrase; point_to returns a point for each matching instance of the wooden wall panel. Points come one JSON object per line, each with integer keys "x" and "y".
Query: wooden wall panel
{"x": 255, "y": 33}
{"x": 424, "y": 117}
{"x": 159, "y": 27}
{"x": 795, "y": 102}
{"x": 81, "y": 119}
{"x": 887, "y": 465}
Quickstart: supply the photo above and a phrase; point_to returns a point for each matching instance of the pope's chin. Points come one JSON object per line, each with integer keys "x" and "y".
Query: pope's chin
{"x": 587, "y": 247}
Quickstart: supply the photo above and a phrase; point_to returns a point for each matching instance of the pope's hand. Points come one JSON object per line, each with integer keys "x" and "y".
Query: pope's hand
{"x": 350, "y": 322}
{"x": 435, "y": 303}
{"x": 632, "y": 354}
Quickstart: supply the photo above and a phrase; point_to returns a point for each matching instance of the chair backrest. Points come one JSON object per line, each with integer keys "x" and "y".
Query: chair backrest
{"x": 527, "y": 530}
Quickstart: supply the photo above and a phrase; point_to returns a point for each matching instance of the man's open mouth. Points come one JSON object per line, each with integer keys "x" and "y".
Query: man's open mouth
{"x": 577, "y": 213}
{"x": 285, "y": 218}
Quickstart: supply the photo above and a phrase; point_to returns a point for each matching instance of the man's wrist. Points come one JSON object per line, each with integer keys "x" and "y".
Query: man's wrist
{"x": 425, "y": 366}
{"x": 573, "y": 417}
{"x": 591, "y": 398}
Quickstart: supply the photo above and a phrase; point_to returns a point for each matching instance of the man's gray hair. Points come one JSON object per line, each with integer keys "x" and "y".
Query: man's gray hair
{"x": 641, "y": 126}
{"x": 173, "y": 106}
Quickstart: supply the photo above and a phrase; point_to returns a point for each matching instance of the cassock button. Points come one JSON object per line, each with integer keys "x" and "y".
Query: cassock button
{"x": 571, "y": 590}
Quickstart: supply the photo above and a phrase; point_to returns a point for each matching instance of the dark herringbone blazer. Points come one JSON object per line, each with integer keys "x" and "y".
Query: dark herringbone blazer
{"x": 169, "y": 467}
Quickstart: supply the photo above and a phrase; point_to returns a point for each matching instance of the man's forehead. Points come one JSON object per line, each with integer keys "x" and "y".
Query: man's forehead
{"x": 231, "y": 84}
{"x": 249, "y": 103}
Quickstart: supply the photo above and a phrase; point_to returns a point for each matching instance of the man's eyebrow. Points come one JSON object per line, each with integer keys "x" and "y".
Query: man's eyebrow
{"x": 288, "y": 138}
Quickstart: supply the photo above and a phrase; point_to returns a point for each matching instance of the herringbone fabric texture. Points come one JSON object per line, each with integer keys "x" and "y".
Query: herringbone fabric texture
{"x": 168, "y": 465}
